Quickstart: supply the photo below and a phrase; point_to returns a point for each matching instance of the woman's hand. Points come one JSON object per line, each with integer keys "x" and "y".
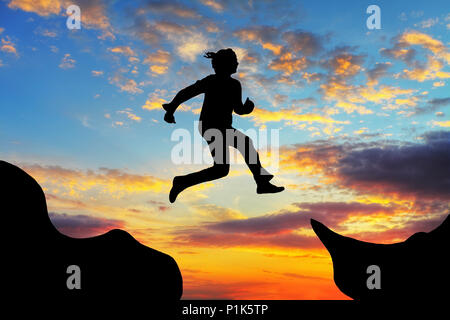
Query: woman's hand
{"x": 248, "y": 106}
{"x": 168, "y": 117}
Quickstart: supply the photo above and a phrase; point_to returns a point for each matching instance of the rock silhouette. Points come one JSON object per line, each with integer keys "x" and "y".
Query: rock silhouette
{"x": 36, "y": 256}
{"x": 416, "y": 269}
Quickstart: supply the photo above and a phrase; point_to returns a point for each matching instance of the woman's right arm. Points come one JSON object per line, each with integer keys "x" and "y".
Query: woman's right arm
{"x": 185, "y": 94}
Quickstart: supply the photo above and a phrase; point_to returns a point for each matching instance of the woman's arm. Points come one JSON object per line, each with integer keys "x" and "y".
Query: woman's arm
{"x": 182, "y": 96}
{"x": 242, "y": 108}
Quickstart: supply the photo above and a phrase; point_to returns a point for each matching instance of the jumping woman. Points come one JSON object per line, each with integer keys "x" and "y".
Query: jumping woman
{"x": 223, "y": 95}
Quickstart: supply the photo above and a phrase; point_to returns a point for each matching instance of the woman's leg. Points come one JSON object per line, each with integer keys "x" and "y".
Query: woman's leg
{"x": 221, "y": 167}
{"x": 244, "y": 144}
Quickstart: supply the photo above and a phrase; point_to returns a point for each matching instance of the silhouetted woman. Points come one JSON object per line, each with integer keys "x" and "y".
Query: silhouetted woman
{"x": 223, "y": 95}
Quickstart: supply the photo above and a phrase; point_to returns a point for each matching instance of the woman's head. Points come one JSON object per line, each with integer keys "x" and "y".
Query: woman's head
{"x": 223, "y": 61}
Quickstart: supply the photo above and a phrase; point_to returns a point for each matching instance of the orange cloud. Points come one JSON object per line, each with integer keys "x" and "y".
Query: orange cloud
{"x": 94, "y": 11}
{"x": 158, "y": 61}
{"x": 275, "y": 48}
{"x": 352, "y": 98}
{"x": 345, "y": 65}
{"x": 130, "y": 115}
{"x": 435, "y": 61}
{"x": 290, "y": 116}
{"x": 417, "y": 38}
{"x": 125, "y": 50}
{"x": 444, "y": 124}
{"x": 113, "y": 181}
{"x": 8, "y": 46}
{"x": 217, "y": 6}
{"x": 41, "y": 7}
{"x": 160, "y": 57}
{"x": 67, "y": 62}
{"x": 159, "y": 69}
{"x": 128, "y": 85}
{"x": 97, "y": 73}
{"x": 171, "y": 9}
{"x": 432, "y": 70}
{"x": 155, "y": 101}
{"x": 261, "y": 35}
{"x": 288, "y": 64}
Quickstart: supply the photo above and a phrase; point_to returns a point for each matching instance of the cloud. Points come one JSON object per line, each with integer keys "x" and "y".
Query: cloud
{"x": 127, "y": 85}
{"x": 190, "y": 45}
{"x": 263, "y": 35}
{"x": 158, "y": 61}
{"x": 432, "y": 69}
{"x": 444, "y": 124}
{"x": 303, "y": 42}
{"x": 427, "y": 23}
{"x": 67, "y": 62}
{"x": 188, "y": 41}
{"x": 399, "y": 52}
{"x": 41, "y": 7}
{"x": 402, "y": 230}
{"x": 130, "y": 115}
{"x": 333, "y": 213}
{"x": 288, "y": 64}
{"x": 158, "y": 57}
{"x": 285, "y": 228}
{"x": 435, "y": 46}
{"x": 125, "y": 50}
{"x": 392, "y": 169}
{"x": 97, "y": 73}
{"x": 351, "y": 98}
{"x": 432, "y": 106}
{"x": 162, "y": 206}
{"x": 377, "y": 72}
{"x": 155, "y": 100}
{"x": 305, "y": 102}
{"x": 215, "y": 5}
{"x": 344, "y": 64}
{"x": 158, "y": 97}
{"x": 112, "y": 181}
{"x": 8, "y": 46}
{"x": 174, "y": 9}
{"x": 203, "y": 237}
{"x": 291, "y": 116}
{"x": 216, "y": 212}
{"x": 83, "y": 226}
{"x": 145, "y": 30}
{"x": 93, "y": 11}
{"x": 48, "y": 33}
{"x": 420, "y": 170}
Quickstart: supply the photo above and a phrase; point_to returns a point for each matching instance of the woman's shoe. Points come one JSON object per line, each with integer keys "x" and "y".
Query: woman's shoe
{"x": 267, "y": 187}
{"x": 177, "y": 187}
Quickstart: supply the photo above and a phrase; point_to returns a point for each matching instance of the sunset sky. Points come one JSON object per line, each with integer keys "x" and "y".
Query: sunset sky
{"x": 362, "y": 117}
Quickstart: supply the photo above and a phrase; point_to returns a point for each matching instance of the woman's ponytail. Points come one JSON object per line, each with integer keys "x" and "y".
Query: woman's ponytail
{"x": 209, "y": 55}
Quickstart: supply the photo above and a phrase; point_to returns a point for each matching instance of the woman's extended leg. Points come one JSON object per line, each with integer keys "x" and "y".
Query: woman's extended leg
{"x": 220, "y": 169}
